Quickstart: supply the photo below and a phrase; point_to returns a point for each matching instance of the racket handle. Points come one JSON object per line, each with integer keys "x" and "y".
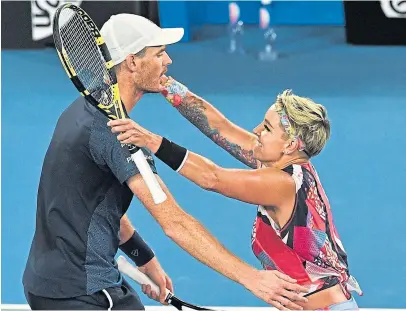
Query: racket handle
{"x": 158, "y": 195}
{"x": 131, "y": 271}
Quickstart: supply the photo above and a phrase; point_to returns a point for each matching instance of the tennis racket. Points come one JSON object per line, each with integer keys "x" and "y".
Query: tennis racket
{"x": 87, "y": 61}
{"x": 132, "y": 272}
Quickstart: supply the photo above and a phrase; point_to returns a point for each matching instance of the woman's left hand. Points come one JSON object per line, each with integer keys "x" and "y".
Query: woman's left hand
{"x": 133, "y": 133}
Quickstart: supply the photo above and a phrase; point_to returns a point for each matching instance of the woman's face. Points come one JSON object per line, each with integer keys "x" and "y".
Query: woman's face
{"x": 272, "y": 139}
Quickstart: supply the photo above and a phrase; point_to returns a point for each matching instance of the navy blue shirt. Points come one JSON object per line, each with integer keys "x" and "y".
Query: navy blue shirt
{"x": 81, "y": 197}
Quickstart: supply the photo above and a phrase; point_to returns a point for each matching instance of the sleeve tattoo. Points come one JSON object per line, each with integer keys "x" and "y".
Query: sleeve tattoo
{"x": 193, "y": 109}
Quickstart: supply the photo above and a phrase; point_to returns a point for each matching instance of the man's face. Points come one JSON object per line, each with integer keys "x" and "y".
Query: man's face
{"x": 150, "y": 68}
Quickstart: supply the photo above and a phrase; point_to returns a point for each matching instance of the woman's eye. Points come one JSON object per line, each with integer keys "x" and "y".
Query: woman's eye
{"x": 267, "y": 128}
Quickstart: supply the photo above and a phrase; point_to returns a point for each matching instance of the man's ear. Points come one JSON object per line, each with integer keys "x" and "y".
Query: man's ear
{"x": 131, "y": 62}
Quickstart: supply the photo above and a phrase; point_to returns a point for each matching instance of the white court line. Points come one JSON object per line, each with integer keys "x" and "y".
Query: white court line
{"x": 169, "y": 308}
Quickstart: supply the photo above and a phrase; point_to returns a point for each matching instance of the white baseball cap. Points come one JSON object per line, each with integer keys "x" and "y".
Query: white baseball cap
{"x": 127, "y": 34}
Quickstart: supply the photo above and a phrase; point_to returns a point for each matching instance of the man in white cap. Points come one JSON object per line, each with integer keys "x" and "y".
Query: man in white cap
{"x": 87, "y": 185}
{"x": 137, "y": 47}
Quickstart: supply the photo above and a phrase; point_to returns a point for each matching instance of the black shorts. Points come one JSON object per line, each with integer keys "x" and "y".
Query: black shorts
{"x": 114, "y": 298}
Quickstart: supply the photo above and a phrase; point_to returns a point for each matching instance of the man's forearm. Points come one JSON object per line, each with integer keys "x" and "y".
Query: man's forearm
{"x": 198, "y": 242}
{"x": 190, "y": 235}
{"x": 126, "y": 229}
{"x": 132, "y": 244}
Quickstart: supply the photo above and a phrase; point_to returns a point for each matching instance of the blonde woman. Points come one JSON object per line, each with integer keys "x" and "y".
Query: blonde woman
{"x": 294, "y": 230}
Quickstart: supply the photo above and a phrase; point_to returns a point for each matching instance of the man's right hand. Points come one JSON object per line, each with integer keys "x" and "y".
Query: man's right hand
{"x": 276, "y": 288}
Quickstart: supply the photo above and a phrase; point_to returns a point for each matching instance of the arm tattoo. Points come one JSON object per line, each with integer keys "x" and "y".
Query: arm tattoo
{"x": 193, "y": 109}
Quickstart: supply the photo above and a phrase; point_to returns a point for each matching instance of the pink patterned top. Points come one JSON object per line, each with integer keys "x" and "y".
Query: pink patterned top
{"x": 308, "y": 247}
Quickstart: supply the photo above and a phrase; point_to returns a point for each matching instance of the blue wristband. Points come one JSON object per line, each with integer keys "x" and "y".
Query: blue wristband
{"x": 136, "y": 249}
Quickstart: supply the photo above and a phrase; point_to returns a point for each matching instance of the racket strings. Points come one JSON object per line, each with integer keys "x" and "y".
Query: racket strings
{"x": 85, "y": 56}
{"x": 71, "y": 39}
{"x": 78, "y": 44}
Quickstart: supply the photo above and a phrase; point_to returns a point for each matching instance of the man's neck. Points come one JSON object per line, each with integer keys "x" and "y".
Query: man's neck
{"x": 130, "y": 99}
{"x": 129, "y": 95}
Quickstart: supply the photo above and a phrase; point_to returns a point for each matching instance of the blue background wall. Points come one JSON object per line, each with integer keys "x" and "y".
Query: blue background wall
{"x": 192, "y": 14}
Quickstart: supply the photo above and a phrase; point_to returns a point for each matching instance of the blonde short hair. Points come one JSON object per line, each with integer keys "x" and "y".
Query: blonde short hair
{"x": 308, "y": 120}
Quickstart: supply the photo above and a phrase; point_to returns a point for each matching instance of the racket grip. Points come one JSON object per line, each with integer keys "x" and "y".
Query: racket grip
{"x": 128, "y": 269}
{"x": 158, "y": 195}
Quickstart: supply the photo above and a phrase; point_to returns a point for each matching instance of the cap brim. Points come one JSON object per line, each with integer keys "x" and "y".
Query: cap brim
{"x": 167, "y": 36}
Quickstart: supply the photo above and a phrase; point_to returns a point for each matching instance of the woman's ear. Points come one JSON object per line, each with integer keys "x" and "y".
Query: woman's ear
{"x": 291, "y": 146}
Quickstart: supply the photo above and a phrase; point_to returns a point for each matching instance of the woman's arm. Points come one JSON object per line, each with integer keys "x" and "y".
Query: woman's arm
{"x": 266, "y": 186}
{"x": 212, "y": 123}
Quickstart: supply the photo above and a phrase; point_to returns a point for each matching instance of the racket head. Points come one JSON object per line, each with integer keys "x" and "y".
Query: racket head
{"x": 86, "y": 59}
